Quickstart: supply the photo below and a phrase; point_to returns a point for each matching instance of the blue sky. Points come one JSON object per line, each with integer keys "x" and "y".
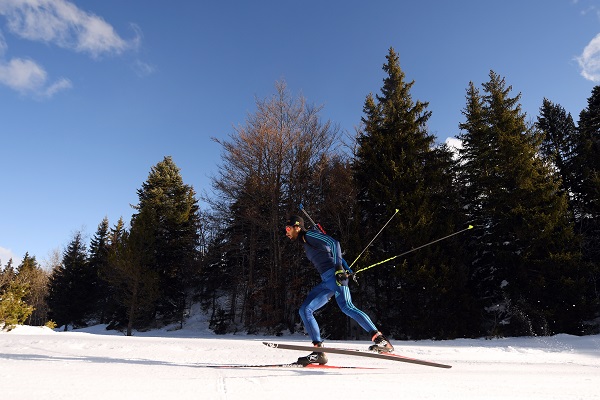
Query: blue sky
{"x": 93, "y": 94}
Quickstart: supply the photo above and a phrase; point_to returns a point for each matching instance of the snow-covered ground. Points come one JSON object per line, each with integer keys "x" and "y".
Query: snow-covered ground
{"x": 90, "y": 364}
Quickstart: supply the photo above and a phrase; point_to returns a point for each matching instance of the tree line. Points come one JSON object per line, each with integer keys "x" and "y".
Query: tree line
{"x": 530, "y": 265}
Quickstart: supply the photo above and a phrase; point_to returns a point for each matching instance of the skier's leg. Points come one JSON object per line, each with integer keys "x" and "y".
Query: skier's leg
{"x": 316, "y": 299}
{"x": 344, "y": 301}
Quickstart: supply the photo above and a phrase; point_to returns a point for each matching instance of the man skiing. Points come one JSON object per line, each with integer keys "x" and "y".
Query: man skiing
{"x": 325, "y": 253}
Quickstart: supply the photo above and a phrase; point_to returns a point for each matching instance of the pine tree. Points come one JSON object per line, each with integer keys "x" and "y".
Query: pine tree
{"x": 392, "y": 146}
{"x": 131, "y": 273}
{"x": 559, "y": 133}
{"x": 71, "y": 286}
{"x": 97, "y": 261}
{"x": 398, "y": 166}
{"x": 524, "y": 263}
{"x": 7, "y": 274}
{"x": 30, "y": 274}
{"x": 176, "y": 228}
{"x": 13, "y": 309}
{"x": 585, "y": 172}
{"x": 110, "y": 276}
{"x": 586, "y": 163}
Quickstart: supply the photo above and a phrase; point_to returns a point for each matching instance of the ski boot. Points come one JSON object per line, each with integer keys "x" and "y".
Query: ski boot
{"x": 316, "y": 357}
{"x": 382, "y": 344}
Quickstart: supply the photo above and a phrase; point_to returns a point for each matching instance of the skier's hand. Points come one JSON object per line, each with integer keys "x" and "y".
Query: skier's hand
{"x": 341, "y": 277}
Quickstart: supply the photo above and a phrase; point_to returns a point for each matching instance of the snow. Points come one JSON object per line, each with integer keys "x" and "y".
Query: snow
{"x": 93, "y": 363}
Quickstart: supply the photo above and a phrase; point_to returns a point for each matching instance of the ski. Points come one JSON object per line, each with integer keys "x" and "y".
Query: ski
{"x": 288, "y": 365}
{"x": 353, "y": 352}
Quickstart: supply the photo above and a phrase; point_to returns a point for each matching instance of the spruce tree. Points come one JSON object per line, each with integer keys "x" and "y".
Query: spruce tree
{"x": 398, "y": 166}
{"x": 110, "y": 276}
{"x": 586, "y": 163}
{"x": 97, "y": 261}
{"x": 559, "y": 131}
{"x": 524, "y": 260}
{"x": 70, "y": 294}
{"x": 7, "y": 274}
{"x": 132, "y": 275}
{"x": 176, "y": 229}
{"x": 12, "y": 292}
{"x": 585, "y": 172}
{"x": 31, "y": 274}
{"x": 13, "y": 309}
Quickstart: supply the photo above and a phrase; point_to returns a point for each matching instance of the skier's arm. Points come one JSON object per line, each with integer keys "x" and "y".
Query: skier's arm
{"x": 341, "y": 273}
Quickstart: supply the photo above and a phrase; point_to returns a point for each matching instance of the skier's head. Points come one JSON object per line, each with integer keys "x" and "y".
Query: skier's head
{"x": 294, "y": 226}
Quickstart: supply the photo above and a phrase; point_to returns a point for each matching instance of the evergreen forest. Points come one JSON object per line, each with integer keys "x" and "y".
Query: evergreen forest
{"x": 529, "y": 186}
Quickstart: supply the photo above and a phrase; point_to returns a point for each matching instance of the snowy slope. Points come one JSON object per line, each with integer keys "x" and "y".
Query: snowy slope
{"x": 95, "y": 364}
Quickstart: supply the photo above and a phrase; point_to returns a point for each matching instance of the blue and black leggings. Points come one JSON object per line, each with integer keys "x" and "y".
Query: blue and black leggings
{"x": 319, "y": 296}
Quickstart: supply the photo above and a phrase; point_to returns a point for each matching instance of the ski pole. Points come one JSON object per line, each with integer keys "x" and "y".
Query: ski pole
{"x": 415, "y": 249}
{"x": 301, "y": 207}
{"x": 372, "y": 240}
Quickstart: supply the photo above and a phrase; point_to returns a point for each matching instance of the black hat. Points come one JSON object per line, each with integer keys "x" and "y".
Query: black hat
{"x": 295, "y": 220}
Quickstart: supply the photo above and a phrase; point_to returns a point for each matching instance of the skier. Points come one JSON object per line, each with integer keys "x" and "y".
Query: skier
{"x": 325, "y": 253}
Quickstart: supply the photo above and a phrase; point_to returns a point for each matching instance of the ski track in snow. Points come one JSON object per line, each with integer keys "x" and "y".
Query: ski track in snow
{"x": 97, "y": 364}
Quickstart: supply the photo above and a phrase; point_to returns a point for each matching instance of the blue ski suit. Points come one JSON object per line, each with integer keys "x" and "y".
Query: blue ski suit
{"x": 325, "y": 253}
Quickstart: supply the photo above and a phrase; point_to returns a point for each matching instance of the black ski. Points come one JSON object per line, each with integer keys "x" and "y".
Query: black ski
{"x": 353, "y": 352}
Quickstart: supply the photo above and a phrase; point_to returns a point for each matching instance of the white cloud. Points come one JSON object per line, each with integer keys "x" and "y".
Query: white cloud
{"x": 3, "y": 45}
{"x": 143, "y": 69}
{"x": 22, "y": 75}
{"x": 589, "y": 61}
{"x": 63, "y": 24}
{"x": 28, "y": 77}
{"x": 5, "y": 256}
{"x": 593, "y": 10}
{"x": 56, "y": 87}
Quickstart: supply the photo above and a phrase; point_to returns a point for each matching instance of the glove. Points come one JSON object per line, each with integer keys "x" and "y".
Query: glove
{"x": 341, "y": 277}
